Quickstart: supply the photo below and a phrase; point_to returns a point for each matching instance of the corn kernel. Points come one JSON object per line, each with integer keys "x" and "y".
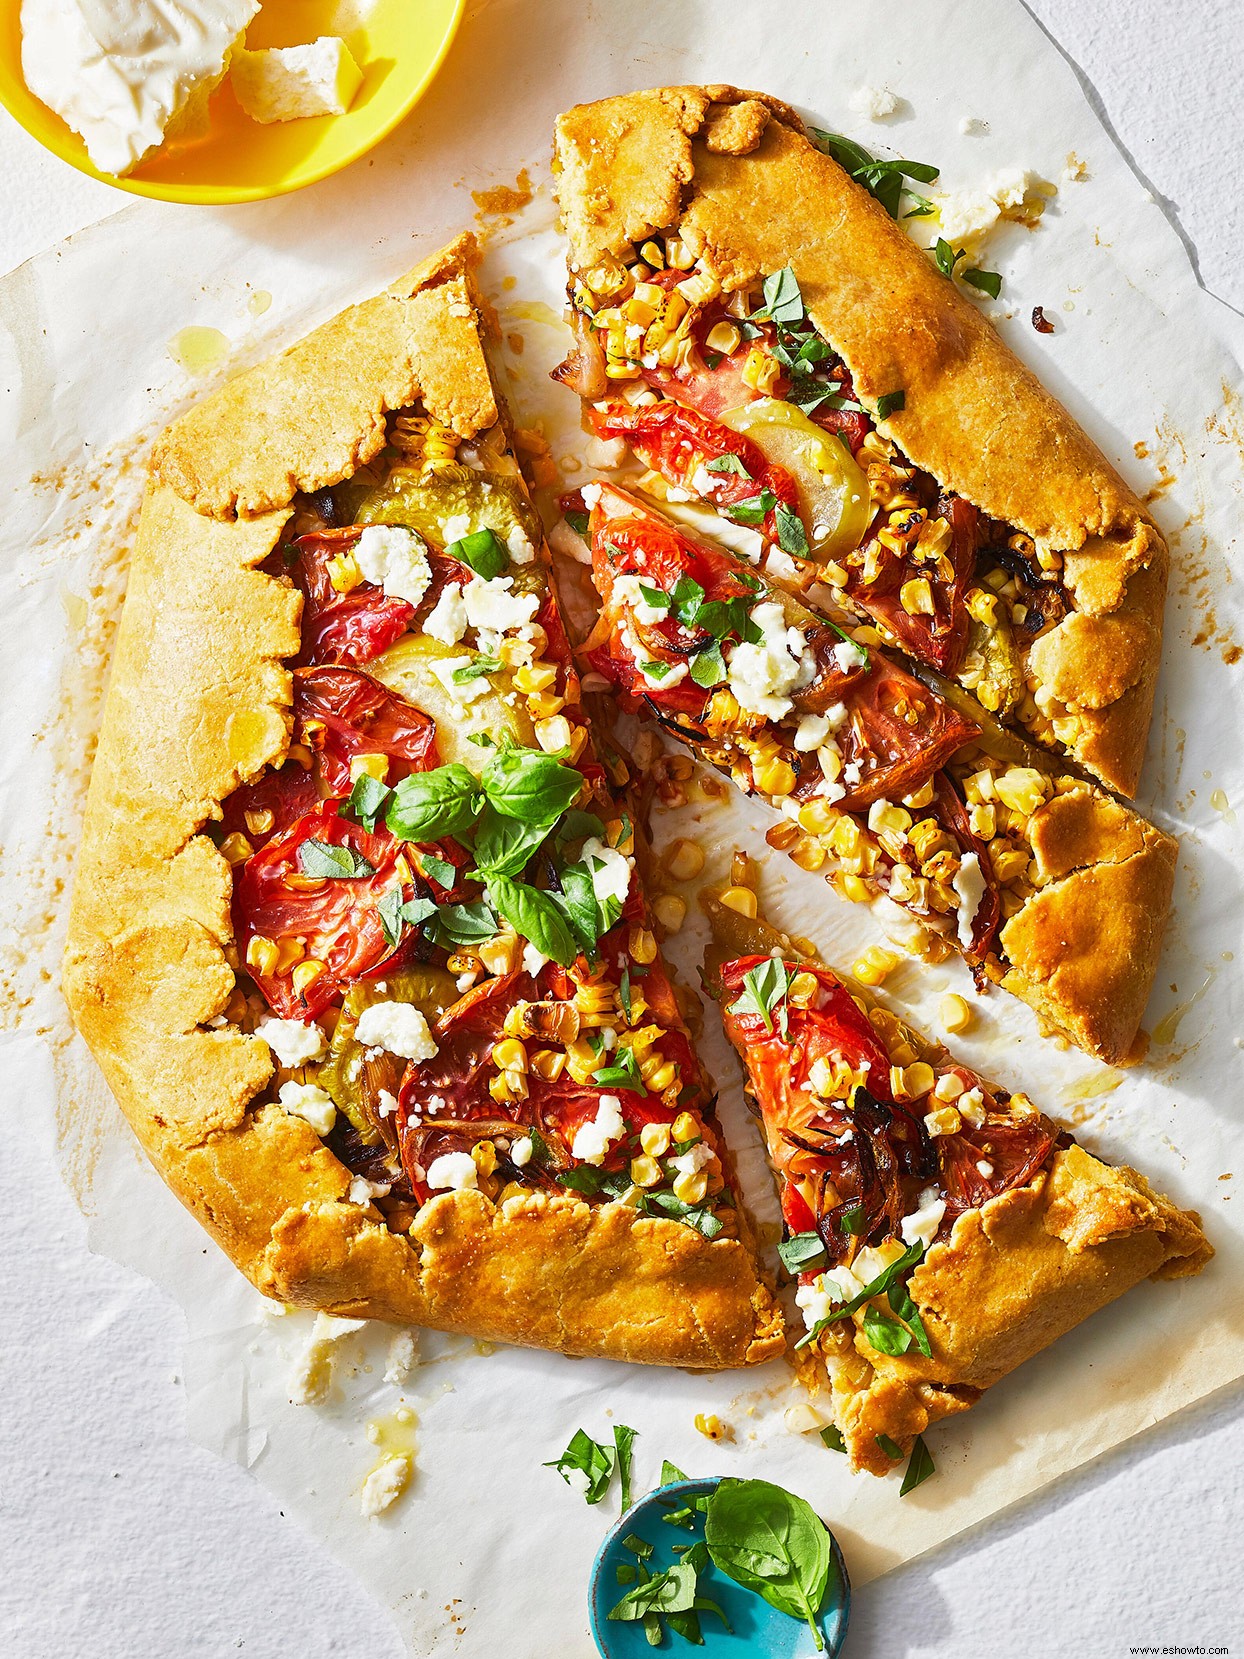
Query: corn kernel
{"x": 684, "y": 861}
{"x": 653, "y": 254}
{"x": 760, "y": 371}
{"x": 645, "y": 1171}
{"x": 235, "y": 849}
{"x": 484, "y": 1154}
{"x": 661, "y": 1077}
{"x": 742, "y": 900}
{"x": 544, "y": 704}
{"x": 699, "y": 288}
{"x": 775, "y": 777}
{"x": 723, "y": 337}
{"x": 536, "y": 676}
{"x": 884, "y": 818}
{"x": 983, "y": 821}
{"x": 642, "y": 946}
{"x": 678, "y": 256}
{"x": 949, "y": 1086}
{"x": 852, "y": 887}
{"x": 306, "y": 974}
{"x": 944, "y": 1121}
{"x": 344, "y": 573}
{"x": 670, "y": 911}
{"x": 956, "y": 1014}
{"x": 509, "y": 1055}
{"x": 916, "y": 597}
{"x": 712, "y": 1427}
{"x": 1022, "y": 788}
{"x": 690, "y": 1189}
{"x": 288, "y": 952}
{"x": 818, "y": 817}
{"x": 501, "y": 955}
{"x": 554, "y": 734}
{"x": 548, "y": 1063}
{"x": 260, "y": 822}
{"x": 654, "y": 1138}
{"x": 802, "y": 988}
{"x": 369, "y": 766}
{"x": 262, "y": 955}
{"x": 983, "y": 607}
{"x": 873, "y": 966}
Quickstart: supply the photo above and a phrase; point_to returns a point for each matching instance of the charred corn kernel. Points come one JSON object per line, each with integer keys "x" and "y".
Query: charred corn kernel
{"x": 1048, "y": 559}
{"x": 642, "y": 946}
{"x": 543, "y": 704}
{"x": 499, "y": 1087}
{"x": 369, "y": 766}
{"x": 684, "y": 861}
{"x": 956, "y": 1013}
{"x": 742, "y": 900}
{"x": 918, "y": 1079}
{"x": 512, "y": 1189}
{"x": 645, "y": 1172}
{"x": 760, "y": 371}
{"x": 678, "y": 256}
{"x": 983, "y": 607}
{"x": 801, "y": 990}
{"x": 700, "y": 287}
{"x": 289, "y": 951}
{"x": 305, "y": 975}
{"x": 818, "y": 818}
{"x": 553, "y": 734}
{"x": 712, "y": 1427}
{"x": 926, "y": 837}
{"x": 723, "y": 337}
{"x": 654, "y": 255}
{"x": 944, "y": 1121}
{"x": 235, "y": 849}
{"x": 996, "y": 579}
{"x": 979, "y": 786}
{"x": 690, "y": 1189}
{"x": 884, "y": 818}
{"x": 983, "y": 821}
{"x": 783, "y": 836}
{"x": 685, "y": 1128}
{"x": 670, "y": 911}
{"x": 259, "y": 822}
{"x": 484, "y": 1154}
{"x": 463, "y": 962}
{"x": 808, "y": 854}
{"x": 581, "y": 1062}
{"x": 536, "y": 676}
{"x": 262, "y": 955}
{"x": 607, "y": 279}
{"x": 548, "y": 1063}
{"x": 775, "y": 778}
{"x": 873, "y": 966}
{"x": 654, "y": 1138}
{"x": 1022, "y": 788}
{"x": 617, "y": 368}
{"x": 916, "y": 597}
{"x": 744, "y": 871}
{"x": 852, "y": 887}
{"x": 949, "y": 1085}
{"x": 344, "y": 574}
{"x": 509, "y": 1055}
{"x": 502, "y": 954}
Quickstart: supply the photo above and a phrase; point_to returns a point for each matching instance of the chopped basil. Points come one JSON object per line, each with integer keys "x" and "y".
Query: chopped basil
{"x": 901, "y": 1303}
{"x": 852, "y": 1219}
{"x": 832, "y": 1437}
{"x": 578, "y": 903}
{"x": 325, "y": 861}
{"x": 783, "y": 302}
{"x": 369, "y": 799}
{"x": 989, "y": 282}
{"x": 577, "y": 826}
{"x": 476, "y": 670}
{"x": 890, "y": 403}
{"x": 482, "y": 740}
{"x": 655, "y": 670}
{"x": 892, "y": 1451}
{"x": 389, "y": 909}
{"x": 482, "y": 552}
{"x": 464, "y": 924}
{"x": 622, "y": 1074}
{"x": 764, "y": 989}
{"x": 670, "y": 1472}
{"x": 792, "y": 538}
{"x": 699, "y": 1216}
{"x": 624, "y": 994}
{"x": 946, "y": 257}
{"x": 586, "y": 1456}
{"x": 807, "y": 394}
{"x": 534, "y": 915}
{"x": 883, "y": 180}
{"x": 924, "y": 208}
{"x": 671, "y": 1591}
{"x": 624, "y": 1440}
{"x": 687, "y": 598}
{"x": 801, "y": 1251}
{"x": 753, "y": 509}
{"x": 656, "y": 597}
{"x": 887, "y": 1336}
{"x": 577, "y": 521}
{"x": 439, "y": 870}
{"x": 624, "y": 1573}
{"x": 728, "y": 463}
{"x": 708, "y": 667}
{"x": 637, "y": 1545}
{"x": 919, "y": 1467}
{"x": 876, "y": 1287}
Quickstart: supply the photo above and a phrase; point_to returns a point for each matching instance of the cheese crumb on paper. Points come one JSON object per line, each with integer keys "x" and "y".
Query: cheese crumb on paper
{"x": 385, "y": 1485}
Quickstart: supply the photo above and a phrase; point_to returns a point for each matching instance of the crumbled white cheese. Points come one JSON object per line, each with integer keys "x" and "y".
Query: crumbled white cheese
{"x": 385, "y": 1485}
{"x": 519, "y": 546}
{"x": 849, "y": 656}
{"x": 984, "y": 1167}
{"x": 521, "y": 1150}
{"x": 693, "y": 1160}
{"x": 294, "y": 1042}
{"x": 569, "y": 544}
{"x": 593, "y": 1140}
{"x": 611, "y": 870}
{"x": 447, "y": 621}
{"x": 969, "y": 884}
{"x": 312, "y": 1375}
{"x": 455, "y": 528}
{"x": 878, "y": 103}
{"x": 811, "y": 732}
{"x": 628, "y": 591}
{"x": 462, "y": 691}
{"x": 702, "y": 481}
{"x": 395, "y": 559}
{"x": 605, "y": 453}
{"x": 309, "y": 1102}
{"x": 533, "y": 959}
{"x": 815, "y": 1301}
{"x": 453, "y": 1171}
{"x": 762, "y": 676}
{"x": 403, "y": 1357}
{"x": 397, "y": 1027}
{"x": 362, "y": 1191}
{"x": 922, "y": 1224}
{"x": 578, "y": 1480}
{"x": 837, "y": 715}
{"x": 591, "y": 495}
{"x": 492, "y": 607}
{"x": 126, "y": 74}
{"x": 288, "y": 83}
{"x": 967, "y": 217}
{"x": 386, "y": 1103}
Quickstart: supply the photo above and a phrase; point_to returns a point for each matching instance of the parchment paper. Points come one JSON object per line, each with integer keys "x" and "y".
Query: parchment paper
{"x": 488, "y": 1550}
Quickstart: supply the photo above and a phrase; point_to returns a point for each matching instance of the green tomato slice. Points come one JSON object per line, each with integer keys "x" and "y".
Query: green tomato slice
{"x": 834, "y": 501}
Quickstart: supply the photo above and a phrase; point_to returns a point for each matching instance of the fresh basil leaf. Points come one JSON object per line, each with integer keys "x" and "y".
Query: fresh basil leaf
{"x": 772, "y": 1542}
{"x": 807, "y": 394}
{"x": 624, "y": 1441}
{"x": 832, "y": 1437}
{"x": 622, "y": 1074}
{"x": 876, "y": 1287}
{"x": 389, "y": 909}
{"x": 783, "y": 302}
{"x": 989, "y": 282}
{"x": 528, "y": 784}
{"x": 652, "y": 1629}
{"x": 686, "y": 1625}
{"x": 882, "y": 179}
{"x": 325, "y": 861}
{"x": 697, "y": 1216}
{"x": 924, "y": 208}
{"x": 919, "y": 1467}
{"x": 504, "y": 846}
{"x": 892, "y": 1451}
{"x": 792, "y": 537}
{"x": 624, "y": 993}
{"x": 754, "y": 508}
{"x": 801, "y": 1251}
{"x": 482, "y": 552}
{"x": 655, "y": 670}
{"x": 585, "y": 1178}
{"x": 764, "y": 988}
{"x": 578, "y": 826}
{"x": 728, "y": 463}
{"x": 889, "y": 403}
{"x": 439, "y": 870}
{"x": 900, "y": 1301}
{"x": 465, "y": 924}
{"x": 887, "y": 1336}
{"x": 946, "y": 257}
{"x": 415, "y": 911}
{"x": 703, "y": 1604}
{"x": 482, "y": 740}
{"x": 670, "y": 1472}
{"x": 633, "y": 1542}
{"x": 849, "y": 155}
{"x": 368, "y": 800}
{"x": 672, "y": 1591}
{"x": 656, "y": 597}
{"x": 624, "y": 1573}
{"x": 535, "y": 917}
{"x": 587, "y": 1457}
{"x": 427, "y": 805}
{"x": 687, "y": 598}
{"x": 577, "y": 521}
{"x": 577, "y": 902}
{"x": 852, "y": 1219}
{"x": 708, "y": 667}
{"x": 476, "y": 670}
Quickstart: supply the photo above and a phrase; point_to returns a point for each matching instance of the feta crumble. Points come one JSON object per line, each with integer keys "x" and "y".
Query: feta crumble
{"x": 453, "y": 1172}
{"x": 385, "y": 1485}
{"x": 395, "y": 559}
{"x": 762, "y": 676}
{"x": 447, "y": 620}
{"x": 877, "y": 103}
{"x": 288, "y": 83}
{"x": 521, "y": 1150}
{"x": 611, "y": 870}
{"x": 403, "y": 1357}
{"x": 969, "y": 884}
{"x": 398, "y": 1028}
{"x": 310, "y": 1103}
{"x": 294, "y": 1042}
{"x": 922, "y": 1224}
{"x": 593, "y": 1140}
{"x": 492, "y": 607}
{"x": 312, "y": 1375}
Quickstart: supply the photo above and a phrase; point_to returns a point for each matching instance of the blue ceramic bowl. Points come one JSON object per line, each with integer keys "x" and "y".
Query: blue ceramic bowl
{"x": 756, "y": 1628}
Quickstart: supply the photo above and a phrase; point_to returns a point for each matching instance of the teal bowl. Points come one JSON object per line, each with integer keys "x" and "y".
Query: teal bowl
{"x": 756, "y": 1629}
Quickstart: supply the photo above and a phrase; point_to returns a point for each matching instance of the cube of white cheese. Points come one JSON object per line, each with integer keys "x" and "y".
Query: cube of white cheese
{"x": 287, "y": 83}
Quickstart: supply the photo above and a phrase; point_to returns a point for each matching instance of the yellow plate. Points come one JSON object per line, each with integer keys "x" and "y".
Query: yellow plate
{"x": 398, "y": 45}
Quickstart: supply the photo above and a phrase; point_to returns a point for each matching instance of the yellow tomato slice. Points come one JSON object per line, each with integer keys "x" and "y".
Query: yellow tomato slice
{"x": 833, "y": 490}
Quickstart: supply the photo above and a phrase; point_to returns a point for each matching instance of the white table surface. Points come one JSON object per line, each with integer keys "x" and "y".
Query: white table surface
{"x": 139, "y": 1545}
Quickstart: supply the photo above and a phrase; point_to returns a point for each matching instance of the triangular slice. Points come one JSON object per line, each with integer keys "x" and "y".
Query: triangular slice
{"x": 736, "y": 294}
{"x": 942, "y": 1230}
{"x": 1042, "y": 881}
{"x": 357, "y": 935}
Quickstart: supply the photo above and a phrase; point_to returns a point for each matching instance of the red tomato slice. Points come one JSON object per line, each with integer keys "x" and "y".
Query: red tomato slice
{"x": 851, "y": 425}
{"x": 1014, "y": 1151}
{"x": 940, "y": 639}
{"x": 340, "y": 713}
{"x": 337, "y": 919}
{"x": 352, "y": 627}
{"x": 678, "y": 443}
{"x": 286, "y": 793}
{"x": 712, "y": 390}
{"x": 898, "y": 732}
{"x": 953, "y": 815}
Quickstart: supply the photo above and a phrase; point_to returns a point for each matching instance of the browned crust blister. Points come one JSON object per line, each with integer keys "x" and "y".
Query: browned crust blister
{"x": 735, "y": 174}
{"x": 200, "y": 702}
{"x": 1012, "y": 1278}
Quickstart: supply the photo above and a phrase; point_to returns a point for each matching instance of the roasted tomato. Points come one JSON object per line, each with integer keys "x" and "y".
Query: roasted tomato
{"x": 953, "y": 815}
{"x": 337, "y": 627}
{"x": 270, "y": 805}
{"x": 898, "y": 733}
{"x": 851, "y": 425}
{"x": 1011, "y": 1150}
{"x": 680, "y": 442}
{"x": 335, "y": 918}
{"x": 340, "y": 713}
{"x": 709, "y": 381}
{"x": 941, "y": 639}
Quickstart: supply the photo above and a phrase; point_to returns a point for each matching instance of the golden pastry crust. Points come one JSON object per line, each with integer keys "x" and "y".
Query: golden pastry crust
{"x": 200, "y": 702}
{"x": 735, "y": 175}
{"x": 1013, "y": 1277}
